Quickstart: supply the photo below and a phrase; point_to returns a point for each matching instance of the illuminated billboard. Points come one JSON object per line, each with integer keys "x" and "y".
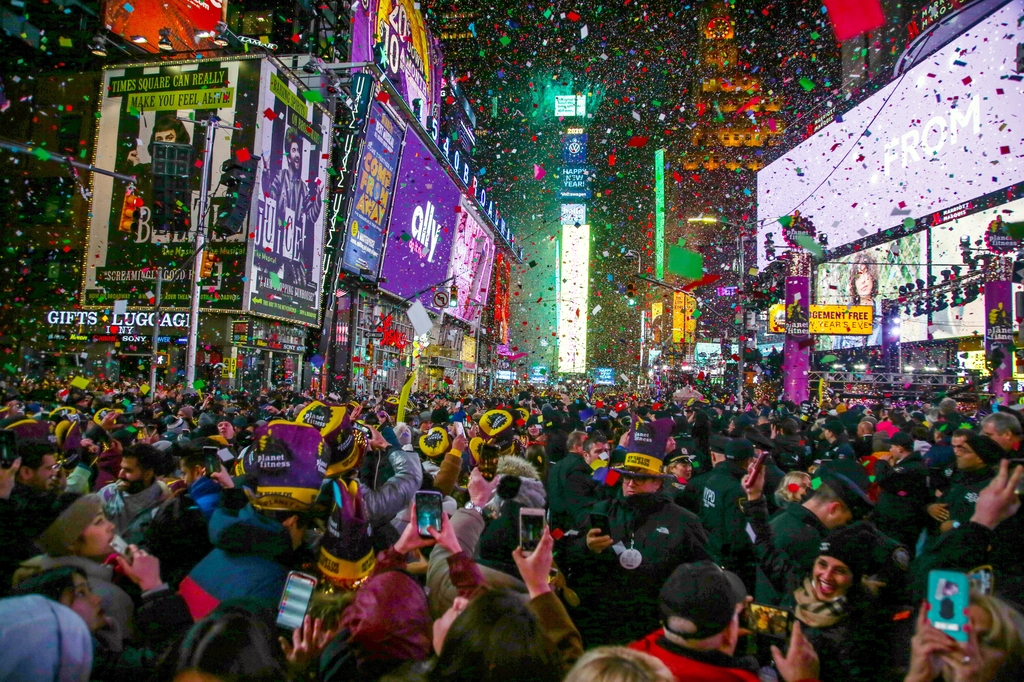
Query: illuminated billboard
{"x": 189, "y": 23}
{"x": 285, "y": 265}
{"x": 574, "y": 276}
{"x": 570, "y": 105}
{"x": 147, "y": 103}
{"x": 929, "y": 140}
{"x": 659, "y": 214}
{"x": 865, "y": 278}
{"x": 684, "y": 325}
{"x": 423, "y": 225}
{"x": 471, "y": 265}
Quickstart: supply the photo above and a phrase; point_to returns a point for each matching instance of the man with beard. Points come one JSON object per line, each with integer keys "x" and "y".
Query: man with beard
{"x": 297, "y": 209}
{"x": 619, "y": 569}
{"x": 132, "y": 500}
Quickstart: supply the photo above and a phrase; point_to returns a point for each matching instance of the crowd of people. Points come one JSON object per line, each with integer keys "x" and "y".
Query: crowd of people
{"x": 162, "y": 536}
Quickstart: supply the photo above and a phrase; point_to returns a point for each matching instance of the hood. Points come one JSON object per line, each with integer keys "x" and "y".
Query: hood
{"x": 389, "y": 619}
{"x": 793, "y": 444}
{"x": 43, "y": 640}
{"x": 249, "y": 532}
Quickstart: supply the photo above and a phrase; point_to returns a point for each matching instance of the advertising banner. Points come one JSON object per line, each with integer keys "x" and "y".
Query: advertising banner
{"x": 575, "y": 182}
{"x": 573, "y": 293}
{"x": 286, "y": 260}
{"x": 411, "y": 56}
{"x": 472, "y": 261}
{"x": 574, "y": 149}
{"x": 186, "y": 20}
{"x": 908, "y": 150}
{"x": 999, "y": 333}
{"x": 422, "y": 227}
{"x": 604, "y": 376}
{"x": 828, "y": 320}
{"x": 502, "y": 286}
{"x": 797, "y": 362}
{"x": 160, "y": 103}
{"x": 375, "y": 186}
{"x": 866, "y": 278}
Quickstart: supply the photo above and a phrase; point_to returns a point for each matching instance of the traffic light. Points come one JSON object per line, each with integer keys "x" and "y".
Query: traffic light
{"x": 631, "y": 289}
{"x": 240, "y": 180}
{"x": 207, "y": 266}
{"x": 172, "y": 186}
{"x": 129, "y": 211}
{"x": 369, "y": 352}
{"x": 453, "y": 300}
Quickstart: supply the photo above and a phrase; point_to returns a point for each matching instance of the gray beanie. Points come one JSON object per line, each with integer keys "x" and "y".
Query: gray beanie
{"x": 56, "y": 540}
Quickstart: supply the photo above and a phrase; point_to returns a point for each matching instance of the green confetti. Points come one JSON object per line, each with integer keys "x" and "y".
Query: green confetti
{"x": 313, "y": 96}
{"x": 505, "y": 40}
{"x": 685, "y": 263}
{"x": 908, "y": 223}
{"x": 807, "y": 84}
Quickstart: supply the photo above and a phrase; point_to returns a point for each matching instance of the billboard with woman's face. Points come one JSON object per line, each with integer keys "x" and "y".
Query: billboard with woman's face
{"x": 869, "y": 276}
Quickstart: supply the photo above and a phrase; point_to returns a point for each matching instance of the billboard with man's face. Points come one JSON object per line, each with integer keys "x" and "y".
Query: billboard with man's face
{"x": 145, "y": 104}
{"x": 285, "y": 270}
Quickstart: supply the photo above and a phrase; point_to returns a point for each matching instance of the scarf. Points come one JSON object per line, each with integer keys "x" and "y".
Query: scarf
{"x": 815, "y": 613}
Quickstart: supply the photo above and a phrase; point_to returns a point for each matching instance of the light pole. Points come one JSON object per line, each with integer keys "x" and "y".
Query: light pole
{"x": 633, "y": 253}
{"x": 740, "y": 312}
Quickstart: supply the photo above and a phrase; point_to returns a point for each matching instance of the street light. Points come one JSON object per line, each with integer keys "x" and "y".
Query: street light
{"x": 740, "y": 311}
{"x": 633, "y": 253}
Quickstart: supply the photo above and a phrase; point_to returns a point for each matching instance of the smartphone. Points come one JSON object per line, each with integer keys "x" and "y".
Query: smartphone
{"x": 460, "y": 430}
{"x": 298, "y": 592}
{"x": 767, "y": 620}
{"x": 8, "y": 452}
{"x": 119, "y": 545}
{"x": 489, "y": 460}
{"x": 531, "y": 528}
{"x": 948, "y": 594}
{"x": 428, "y": 512}
{"x": 759, "y": 461}
{"x": 601, "y": 522}
{"x": 211, "y": 458}
{"x": 363, "y": 429}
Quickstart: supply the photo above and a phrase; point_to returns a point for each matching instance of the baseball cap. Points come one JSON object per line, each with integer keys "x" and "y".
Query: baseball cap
{"x": 704, "y": 595}
{"x": 855, "y": 499}
{"x": 902, "y": 439}
{"x": 739, "y": 449}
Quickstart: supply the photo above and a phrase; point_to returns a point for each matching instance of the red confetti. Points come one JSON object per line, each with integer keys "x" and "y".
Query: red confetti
{"x": 383, "y": 97}
{"x": 243, "y": 155}
{"x": 269, "y": 113}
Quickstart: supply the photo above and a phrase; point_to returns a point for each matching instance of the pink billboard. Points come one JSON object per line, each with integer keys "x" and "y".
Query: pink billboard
{"x": 471, "y": 265}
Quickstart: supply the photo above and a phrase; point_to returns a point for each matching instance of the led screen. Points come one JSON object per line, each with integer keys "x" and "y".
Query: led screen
{"x": 189, "y": 22}
{"x": 574, "y": 278}
{"x": 866, "y": 278}
{"x": 423, "y": 224}
{"x": 472, "y": 262}
{"x": 947, "y": 131}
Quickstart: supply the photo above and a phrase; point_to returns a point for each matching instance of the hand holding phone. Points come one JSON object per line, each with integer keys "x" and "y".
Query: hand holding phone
{"x": 601, "y": 522}
{"x": 531, "y": 528}
{"x": 8, "y": 451}
{"x": 948, "y": 599}
{"x": 211, "y": 459}
{"x": 489, "y": 460}
{"x": 298, "y": 593}
{"x": 428, "y": 512}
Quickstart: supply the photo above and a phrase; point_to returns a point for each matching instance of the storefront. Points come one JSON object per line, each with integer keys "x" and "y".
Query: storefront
{"x": 264, "y": 353}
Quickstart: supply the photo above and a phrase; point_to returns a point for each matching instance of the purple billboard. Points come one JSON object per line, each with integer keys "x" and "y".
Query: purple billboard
{"x": 423, "y": 224}
{"x": 472, "y": 261}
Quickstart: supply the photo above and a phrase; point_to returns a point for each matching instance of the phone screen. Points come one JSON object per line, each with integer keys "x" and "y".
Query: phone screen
{"x": 211, "y": 458}
{"x": 601, "y": 521}
{"x": 767, "y": 620}
{"x": 489, "y": 460}
{"x": 428, "y": 512}
{"x": 8, "y": 453}
{"x": 119, "y": 545}
{"x": 298, "y": 591}
{"x": 948, "y": 593}
{"x": 531, "y": 528}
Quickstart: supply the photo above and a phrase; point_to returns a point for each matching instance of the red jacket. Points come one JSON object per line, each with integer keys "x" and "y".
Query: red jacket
{"x": 689, "y": 669}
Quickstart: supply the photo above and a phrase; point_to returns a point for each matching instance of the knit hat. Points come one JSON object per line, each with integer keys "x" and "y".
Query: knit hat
{"x": 290, "y": 466}
{"x": 903, "y": 440}
{"x": 835, "y": 426}
{"x": 76, "y": 513}
{"x": 186, "y": 411}
{"x": 849, "y": 544}
{"x": 645, "y": 449}
{"x": 346, "y": 552}
{"x": 206, "y": 419}
{"x": 986, "y": 448}
{"x": 439, "y": 416}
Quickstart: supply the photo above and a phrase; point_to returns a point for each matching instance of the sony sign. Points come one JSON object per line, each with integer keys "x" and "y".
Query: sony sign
{"x": 425, "y": 231}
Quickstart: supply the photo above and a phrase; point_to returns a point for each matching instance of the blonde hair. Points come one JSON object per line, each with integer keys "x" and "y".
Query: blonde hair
{"x": 783, "y": 494}
{"x": 618, "y": 664}
{"x": 1007, "y": 631}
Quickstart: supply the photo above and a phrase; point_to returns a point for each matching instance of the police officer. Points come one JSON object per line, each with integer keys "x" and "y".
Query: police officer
{"x": 720, "y": 493}
{"x": 975, "y": 457}
{"x": 572, "y": 490}
{"x": 618, "y": 561}
{"x": 800, "y": 528}
{"x": 902, "y": 477}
